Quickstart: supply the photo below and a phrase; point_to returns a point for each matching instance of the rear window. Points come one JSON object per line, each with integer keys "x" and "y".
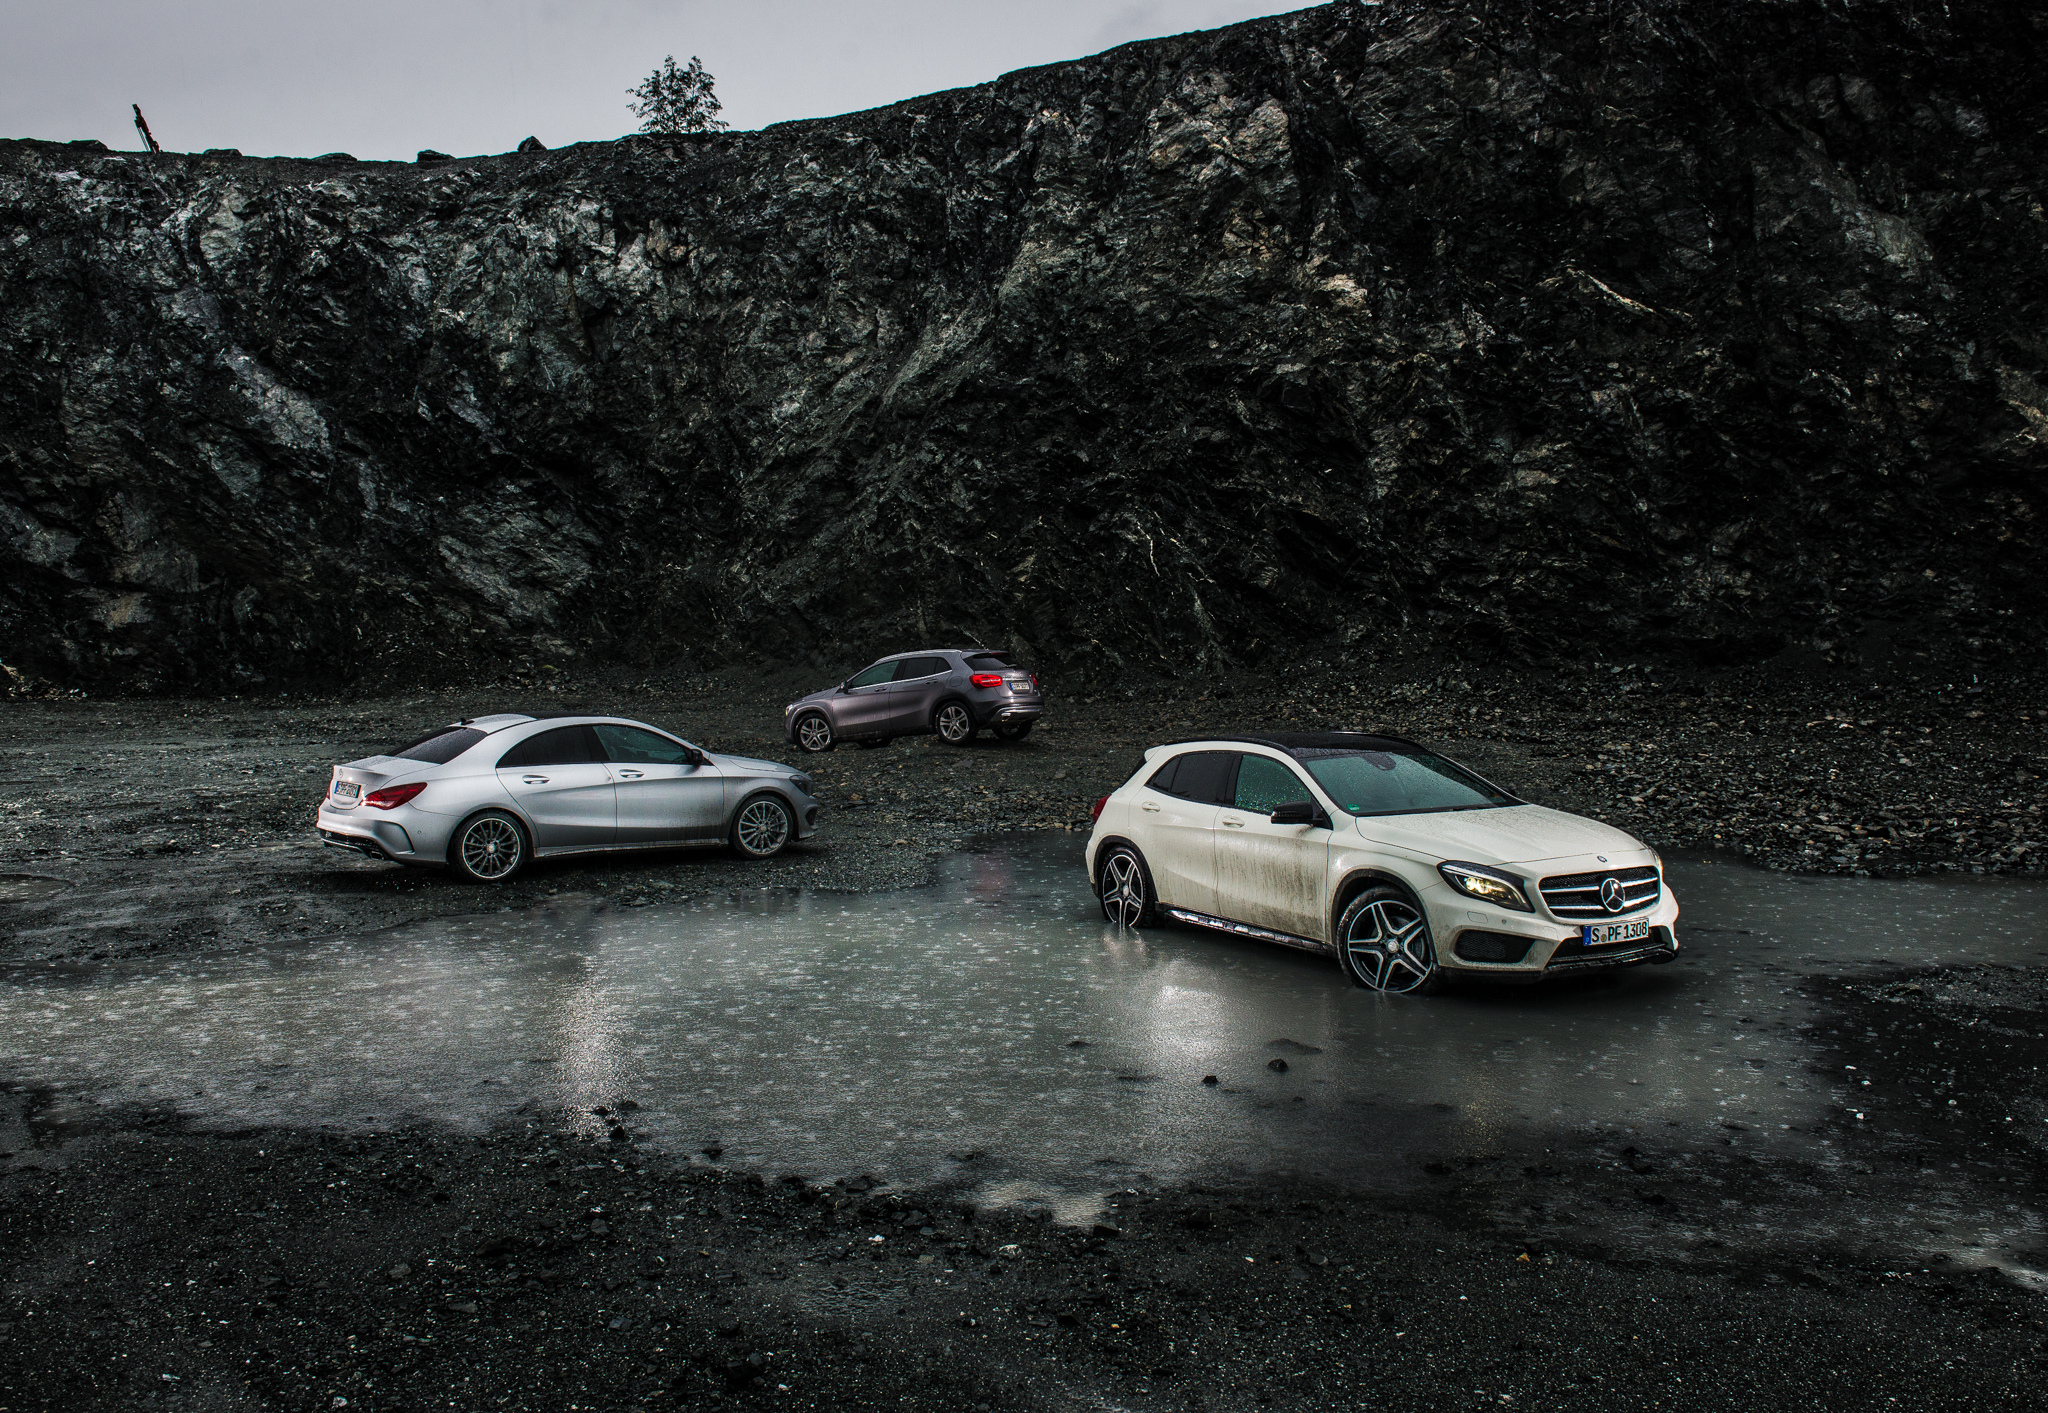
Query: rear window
{"x": 440, "y": 747}
{"x": 990, "y": 662}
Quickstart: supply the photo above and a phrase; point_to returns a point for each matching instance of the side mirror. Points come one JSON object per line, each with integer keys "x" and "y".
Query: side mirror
{"x": 696, "y": 757}
{"x": 1301, "y": 812}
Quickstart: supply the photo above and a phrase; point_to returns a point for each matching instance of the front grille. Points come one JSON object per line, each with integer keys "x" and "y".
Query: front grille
{"x": 1577, "y": 895}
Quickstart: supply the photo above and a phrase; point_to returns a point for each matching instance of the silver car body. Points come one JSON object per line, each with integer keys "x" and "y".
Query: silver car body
{"x": 900, "y": 695}
{"x": 586, "y": 807}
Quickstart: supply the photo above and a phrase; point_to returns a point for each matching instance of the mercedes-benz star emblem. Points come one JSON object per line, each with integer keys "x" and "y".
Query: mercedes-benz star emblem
{"x": 1611, "y": 896}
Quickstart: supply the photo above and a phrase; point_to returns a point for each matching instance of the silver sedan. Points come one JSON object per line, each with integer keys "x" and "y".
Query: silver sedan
{"x": 485, "y": 794}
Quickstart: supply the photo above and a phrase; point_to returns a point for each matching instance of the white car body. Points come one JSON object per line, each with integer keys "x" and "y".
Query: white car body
{"x": 1227, "y": 867}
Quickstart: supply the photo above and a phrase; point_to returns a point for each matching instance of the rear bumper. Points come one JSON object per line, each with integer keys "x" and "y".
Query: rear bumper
{"x": 1007, "y": 711}
{"x": 366, "y": 844}
{"x": 404, "y": 835}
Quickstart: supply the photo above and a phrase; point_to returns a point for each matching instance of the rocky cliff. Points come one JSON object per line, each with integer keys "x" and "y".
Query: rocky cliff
{"x": 1565, "y": 331}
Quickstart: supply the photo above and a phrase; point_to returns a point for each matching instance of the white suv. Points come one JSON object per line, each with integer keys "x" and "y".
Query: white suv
{"x": 1405, "y": 866}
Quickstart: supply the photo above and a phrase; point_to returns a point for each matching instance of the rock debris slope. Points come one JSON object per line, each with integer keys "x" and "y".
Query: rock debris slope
{"x": 1564, "y": 331}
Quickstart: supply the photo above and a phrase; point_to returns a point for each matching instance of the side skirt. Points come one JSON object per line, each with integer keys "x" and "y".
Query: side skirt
{"x": 661, "y": 846}
{"x": 1245, "y": 929}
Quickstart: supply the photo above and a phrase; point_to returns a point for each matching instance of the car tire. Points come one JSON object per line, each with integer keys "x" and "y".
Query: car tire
{"x": 1384, "y": 944}
{"x": 813, "y": 732}
{"x": 489, "y": 848}
{"x": 954, "y": 723}
{"x": 761, "y": 826}
{"x": 1124, "y": 885}
{"x": 1014, "y": 731}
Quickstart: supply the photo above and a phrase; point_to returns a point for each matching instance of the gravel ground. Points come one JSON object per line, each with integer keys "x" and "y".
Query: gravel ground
{"x": 532, "y": 1269}
{"x": 539, "y": 1267}
{"x": 148, "y": 825}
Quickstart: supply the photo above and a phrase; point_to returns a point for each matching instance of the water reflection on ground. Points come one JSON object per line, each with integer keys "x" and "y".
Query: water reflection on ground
{"x": 992, "y": 1030}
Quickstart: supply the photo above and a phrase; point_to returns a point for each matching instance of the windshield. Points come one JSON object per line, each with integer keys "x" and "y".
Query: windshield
{"x": 1398, "y": 780}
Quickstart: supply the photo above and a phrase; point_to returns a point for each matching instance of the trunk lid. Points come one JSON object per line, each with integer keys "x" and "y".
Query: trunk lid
{"x": 349, "y": 783}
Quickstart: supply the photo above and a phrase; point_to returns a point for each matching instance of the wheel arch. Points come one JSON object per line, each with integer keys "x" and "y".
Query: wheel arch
{"x": 945, "y": 700}
{"x": 490, "y": 807}
{"x": 1357, "y": 881}
{"x": 1106, "y": 842}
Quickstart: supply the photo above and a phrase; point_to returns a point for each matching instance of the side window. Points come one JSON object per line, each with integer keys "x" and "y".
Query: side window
{"x": 631, "y": 745}
{"x": 1162, "y": 778}
{"x": 1206, "y": 776}
{"x": 869, "y": 676}
{"x": 1264, "y": 784}
{"x": 911, "y": 667}
{"x": 565, "y": 745}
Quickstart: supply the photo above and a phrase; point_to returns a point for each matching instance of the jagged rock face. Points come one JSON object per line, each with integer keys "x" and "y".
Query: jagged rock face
{"x": 1703, "y": 327}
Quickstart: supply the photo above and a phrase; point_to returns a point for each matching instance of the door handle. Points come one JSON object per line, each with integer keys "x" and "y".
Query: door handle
{"x": 533, "y": 780}
{"x": 631, "y": 774}
{"x": 1149, "y": 808}
{"x": 1231, "y": 823}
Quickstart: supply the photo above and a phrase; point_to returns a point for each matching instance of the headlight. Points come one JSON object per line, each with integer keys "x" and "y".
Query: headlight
{"x": 1503, "y": 890}
{"x": 802, "y": 783}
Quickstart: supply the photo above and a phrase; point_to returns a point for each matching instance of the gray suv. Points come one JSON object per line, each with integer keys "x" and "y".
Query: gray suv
{"x": 953, "y": 692}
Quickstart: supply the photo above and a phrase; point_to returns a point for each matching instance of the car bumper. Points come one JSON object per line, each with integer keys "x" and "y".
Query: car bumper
{"x": 1465, "y": 935}
{"x": 1007, "y": 711}
{"x": 403, "y": 835}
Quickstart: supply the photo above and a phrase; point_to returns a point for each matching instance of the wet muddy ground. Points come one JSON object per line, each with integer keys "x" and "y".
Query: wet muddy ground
{"x": 273, "y": 1137}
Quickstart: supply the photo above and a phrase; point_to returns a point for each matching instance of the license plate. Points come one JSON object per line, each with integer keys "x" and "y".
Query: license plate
{"x": 347, "y": 790}
{"x": 1599, "y": 934}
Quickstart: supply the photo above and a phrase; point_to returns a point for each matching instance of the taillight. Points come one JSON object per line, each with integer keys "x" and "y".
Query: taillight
{"x": 1034, "y": 681}
{"x": 1095, "y": 810}
{"x": 986, "y": 679}
{"x": 392, "y": 796}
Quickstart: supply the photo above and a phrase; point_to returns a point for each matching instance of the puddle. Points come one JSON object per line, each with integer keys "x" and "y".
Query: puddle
{"x": 992, "y": 1031}
{"x": 29, "y": 887}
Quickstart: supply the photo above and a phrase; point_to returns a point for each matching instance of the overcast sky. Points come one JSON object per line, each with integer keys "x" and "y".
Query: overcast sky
{"x": 383, "y": 79}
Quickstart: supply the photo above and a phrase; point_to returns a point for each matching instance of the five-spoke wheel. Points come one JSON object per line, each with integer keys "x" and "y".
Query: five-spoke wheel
{"x": 1384, "y": 943}
{"x": 955, "y": 724}
{"x": 814, "y": 732}
{"x": 489, "y": 848}
{"x": 1125, "y": 888}
{"x": 762, "y": 827}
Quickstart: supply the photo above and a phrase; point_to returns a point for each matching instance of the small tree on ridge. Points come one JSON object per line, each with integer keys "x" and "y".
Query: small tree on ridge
{"x": 677, "y": 100}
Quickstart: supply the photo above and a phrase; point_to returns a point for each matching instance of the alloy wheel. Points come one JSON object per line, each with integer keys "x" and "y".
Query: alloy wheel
{"x": 1123, "y": 890}
{"x": 814, "y": 733}
{"x": 491, "y": 848}
{"x": 762, "y": 828}
{"x": 1388, "y": 947}
{"x": 954, "y": 724}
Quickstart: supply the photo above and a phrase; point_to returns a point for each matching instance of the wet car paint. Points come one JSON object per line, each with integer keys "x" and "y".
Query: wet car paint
{"x": 992, "y": 1032}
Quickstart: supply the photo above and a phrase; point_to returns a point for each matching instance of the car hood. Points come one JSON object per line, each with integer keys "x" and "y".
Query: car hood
{"x": 749, "y": 766}
{"x": 1518, "y": 834}
{"x": 818, "y": 696}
